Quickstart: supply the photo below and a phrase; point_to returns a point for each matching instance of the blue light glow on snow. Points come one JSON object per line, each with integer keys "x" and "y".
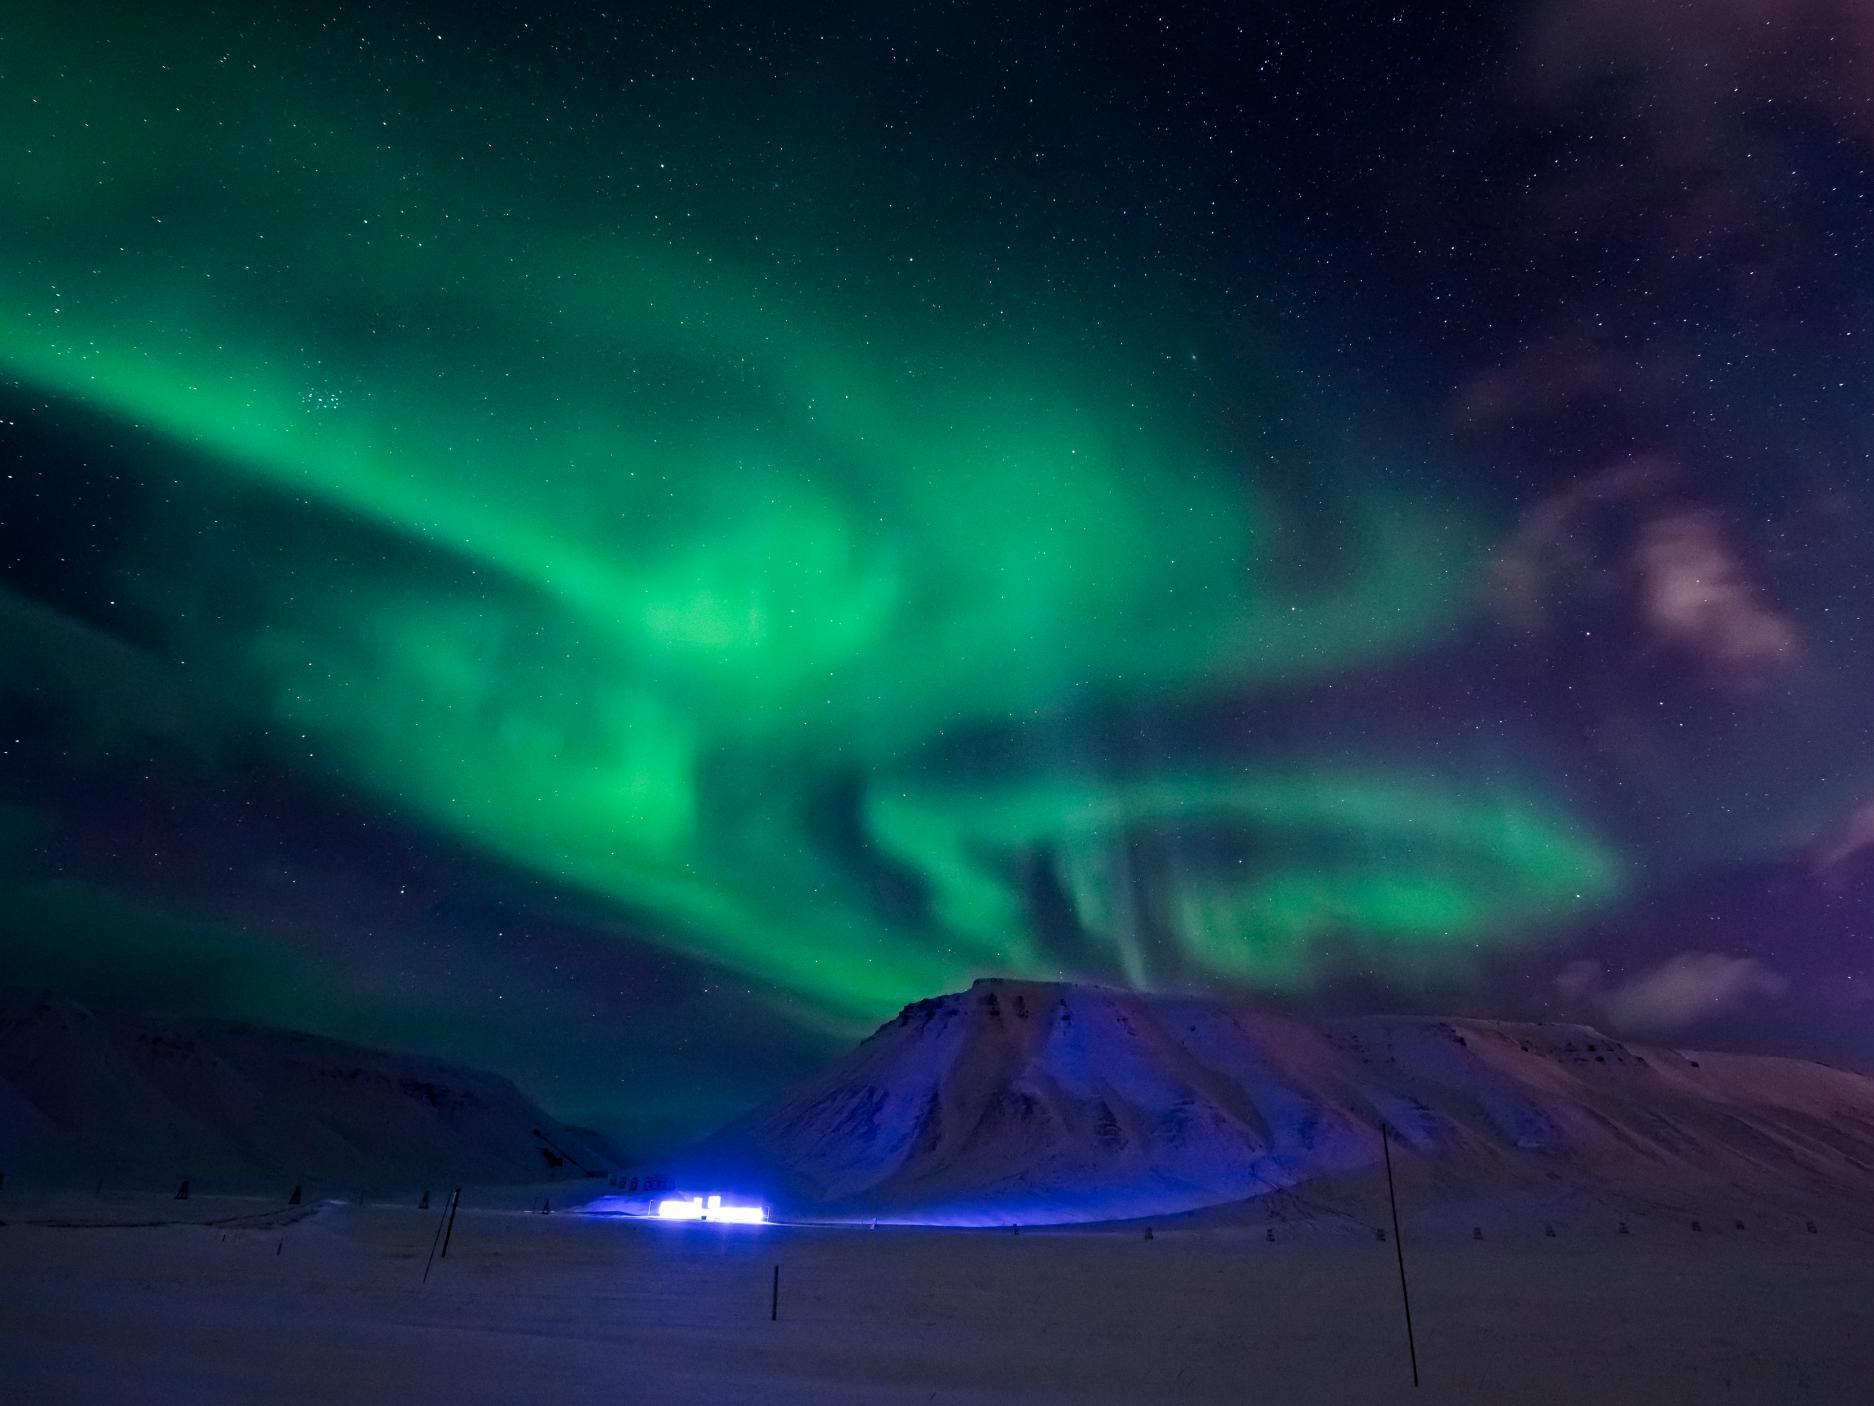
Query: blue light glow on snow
{"x": 695, "y": 1208}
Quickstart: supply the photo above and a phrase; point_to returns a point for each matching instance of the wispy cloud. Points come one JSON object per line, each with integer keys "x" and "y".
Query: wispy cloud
{"x": 1680, "y": 992}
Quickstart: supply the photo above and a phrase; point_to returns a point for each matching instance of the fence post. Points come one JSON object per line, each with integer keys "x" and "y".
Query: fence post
{"x": 454, "y": 1202}
{"x": 434, "y": 1241}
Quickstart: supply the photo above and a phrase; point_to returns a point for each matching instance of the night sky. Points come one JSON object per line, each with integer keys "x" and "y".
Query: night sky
{"x": 625, "y": 544}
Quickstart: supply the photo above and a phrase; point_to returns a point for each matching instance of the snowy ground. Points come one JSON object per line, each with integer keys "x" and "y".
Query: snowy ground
{"x": 565, "y": 1308}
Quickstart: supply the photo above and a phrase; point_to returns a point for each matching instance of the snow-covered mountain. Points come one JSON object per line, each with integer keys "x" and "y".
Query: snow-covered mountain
{"x": 1034, "y": 1103}
{"x": 141, "y": 1099}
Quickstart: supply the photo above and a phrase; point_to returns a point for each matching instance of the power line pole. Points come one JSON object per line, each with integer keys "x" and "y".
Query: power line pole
{"x": 1398, "y": 1245}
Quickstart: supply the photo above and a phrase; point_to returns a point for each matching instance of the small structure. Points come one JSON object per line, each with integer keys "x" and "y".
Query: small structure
{"x": 696, "y": 1208}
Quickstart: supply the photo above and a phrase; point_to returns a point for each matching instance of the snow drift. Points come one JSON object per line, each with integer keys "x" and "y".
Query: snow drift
{"x": 134, "y": 1098}
{"x": 1044, "y": 1103}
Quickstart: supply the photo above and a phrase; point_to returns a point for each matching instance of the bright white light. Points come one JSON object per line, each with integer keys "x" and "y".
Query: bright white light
{"x": 695, "y": 1209}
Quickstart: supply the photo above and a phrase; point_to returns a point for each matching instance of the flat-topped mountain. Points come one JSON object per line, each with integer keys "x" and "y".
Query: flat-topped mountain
{"x": 1033, "y": 1102}
{"x": 136, "y": 1098}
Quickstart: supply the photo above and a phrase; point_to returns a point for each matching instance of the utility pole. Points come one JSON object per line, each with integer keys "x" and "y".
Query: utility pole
{"x": 1398, "y": 1245}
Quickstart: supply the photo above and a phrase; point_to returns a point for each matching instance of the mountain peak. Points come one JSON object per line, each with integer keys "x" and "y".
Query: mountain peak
{"x": 1038, "y": 1101}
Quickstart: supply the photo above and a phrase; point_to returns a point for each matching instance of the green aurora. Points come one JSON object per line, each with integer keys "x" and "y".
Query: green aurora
{"x": 608, "y": 523}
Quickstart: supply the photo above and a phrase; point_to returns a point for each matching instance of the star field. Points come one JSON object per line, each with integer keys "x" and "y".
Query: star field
{"x": 626, "y": 545}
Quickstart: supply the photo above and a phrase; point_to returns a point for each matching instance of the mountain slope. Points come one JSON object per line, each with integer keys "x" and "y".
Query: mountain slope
{"x": 125, "y": 1097}
{"x": 1036, "y": 1103}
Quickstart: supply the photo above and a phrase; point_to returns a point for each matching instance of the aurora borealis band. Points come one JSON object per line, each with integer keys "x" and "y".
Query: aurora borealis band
{"x": 616, "y": 546}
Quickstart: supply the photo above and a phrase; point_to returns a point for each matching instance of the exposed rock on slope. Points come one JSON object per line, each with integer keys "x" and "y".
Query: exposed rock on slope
{"x": 1036, "y": 1103}
{"x": 87, "y": 1094}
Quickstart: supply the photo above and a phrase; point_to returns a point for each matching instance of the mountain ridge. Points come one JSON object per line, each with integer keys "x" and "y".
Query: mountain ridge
{"x": 146, "y": 1099}
{"x": 1034, "y": 1102}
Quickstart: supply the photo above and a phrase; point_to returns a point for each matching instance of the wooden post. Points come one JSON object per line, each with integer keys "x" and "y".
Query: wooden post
{"x": 455, "y": 1200}
{"x": 1405, "y": 1298}
{"x": 435, "y": 1240}
{"x": 774, "y": 1297}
